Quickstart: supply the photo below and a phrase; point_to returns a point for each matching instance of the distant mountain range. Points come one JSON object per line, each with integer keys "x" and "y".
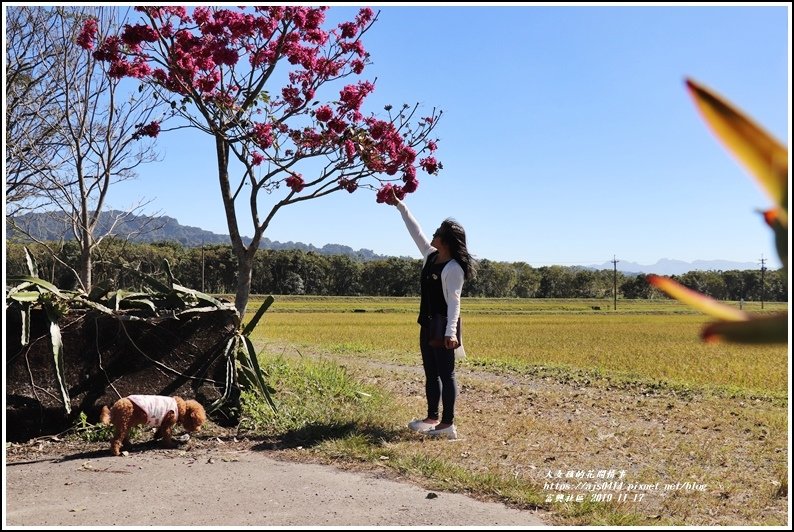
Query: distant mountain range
{"x": 142, "y": 228}
{"x": 676, "y": 267}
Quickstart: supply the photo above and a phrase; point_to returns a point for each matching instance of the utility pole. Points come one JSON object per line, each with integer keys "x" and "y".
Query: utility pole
{"x": 202, "y": 266}
{"x": 615, "y": 282}
{"x": 763, "y": 269}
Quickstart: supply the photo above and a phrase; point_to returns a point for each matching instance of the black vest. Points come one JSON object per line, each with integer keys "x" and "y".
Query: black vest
{"x": 432, "y": 300}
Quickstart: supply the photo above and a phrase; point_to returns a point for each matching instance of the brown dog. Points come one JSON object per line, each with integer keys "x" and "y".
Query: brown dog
{"x": 154, "y": 410}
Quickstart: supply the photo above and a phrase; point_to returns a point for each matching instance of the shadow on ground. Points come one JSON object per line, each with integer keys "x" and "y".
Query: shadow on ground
{"x": 315, "y": 434}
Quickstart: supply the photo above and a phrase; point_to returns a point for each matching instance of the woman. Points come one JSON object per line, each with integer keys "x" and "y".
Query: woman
{"x": 447, "y": 264}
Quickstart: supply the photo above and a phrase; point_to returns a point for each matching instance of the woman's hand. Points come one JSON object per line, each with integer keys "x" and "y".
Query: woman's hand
{"x": 394, "y": 200}
{"x": 450, "y": 342}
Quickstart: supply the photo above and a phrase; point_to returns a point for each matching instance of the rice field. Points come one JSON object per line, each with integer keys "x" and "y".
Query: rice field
{"x": 648, "y": 341}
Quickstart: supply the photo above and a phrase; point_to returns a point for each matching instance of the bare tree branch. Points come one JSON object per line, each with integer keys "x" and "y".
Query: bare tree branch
{"x": 91, "y": 124}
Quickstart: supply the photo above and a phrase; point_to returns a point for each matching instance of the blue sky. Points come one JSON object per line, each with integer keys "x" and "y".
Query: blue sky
{"x": 567, "y": 136}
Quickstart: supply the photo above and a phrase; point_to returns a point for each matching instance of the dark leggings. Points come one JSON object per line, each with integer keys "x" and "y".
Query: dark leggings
{"x": 439, "y": 364}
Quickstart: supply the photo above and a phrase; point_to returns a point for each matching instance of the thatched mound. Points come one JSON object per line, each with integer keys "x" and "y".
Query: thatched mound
{"x": 106, "y": 357}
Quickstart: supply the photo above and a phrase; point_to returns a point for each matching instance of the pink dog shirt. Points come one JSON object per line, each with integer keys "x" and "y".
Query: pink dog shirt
{"x": 156, "y": 407}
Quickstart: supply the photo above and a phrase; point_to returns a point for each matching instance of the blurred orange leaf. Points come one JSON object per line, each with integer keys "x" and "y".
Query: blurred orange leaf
{"x": 696, "y": 300}
{"x": 765, "y": 157}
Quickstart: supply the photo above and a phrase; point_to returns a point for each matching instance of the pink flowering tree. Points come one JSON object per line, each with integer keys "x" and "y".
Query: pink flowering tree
{"x": 304, "y": 138}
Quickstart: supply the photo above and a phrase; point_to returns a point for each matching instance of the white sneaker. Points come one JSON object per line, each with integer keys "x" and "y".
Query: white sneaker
{"x": 451, "y": 433}
{"x": 419, "y": 425}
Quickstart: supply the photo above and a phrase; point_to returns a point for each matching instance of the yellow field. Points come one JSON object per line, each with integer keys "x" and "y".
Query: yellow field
{"x": 646, "y": 340}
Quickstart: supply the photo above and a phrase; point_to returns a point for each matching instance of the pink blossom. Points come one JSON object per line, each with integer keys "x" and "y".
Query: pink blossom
{"x": 311, "y": 139}
{"x": 209, "y": 82}
{"x": 167, "y": 30}
{"x": 276, "y": 13}
{"x": 324, "y": 113}
{"x": 139, "y": 68}
{"x": 353, "y": 95}
{"x": 364, "y": 16}
{"x": 266, "y": 26}
{"x": 408, "y": 156}
{"x": 257, "y": 158}
{"x": 315, "y": 18}
{"x": 348, "y": 184}
{"x": 291, "y": 96}
{"x": 160, "y": 75}
{"x": 430, "y": 165}
{"x": 260, "y": 57}
{"x": 384, "y": 195}
{"x": 151, "y": 129}
{"x": 221, "y": 99}
{"x": 411, "y": 186}
{"x": 304, "y": 56}
{"x": 349, "y": 30}
{"x": 262, "y": 135}
{"x": 120, "y": 69}
{"x": 337, "y": 125}
{"x": 225, "y": 56}
{"x": 326, "y": 68}
{"x": 317, "y": 36}
{"x": 378, "y": 129}
{"x": 87, "y": 34}
{"x": 166, "y": 12}
{"x": 135, "y": 35}
{"x": 298, "y": 16}
{"x": 295, "y": 182}
{"x": 230, "y": 23}
{"x": 350, "y": 150}
{"x": 109, "y": 49}
{"x": 201, "y": 15}
{"x": 355, "y": 46}
{"x": 432, "y": 146}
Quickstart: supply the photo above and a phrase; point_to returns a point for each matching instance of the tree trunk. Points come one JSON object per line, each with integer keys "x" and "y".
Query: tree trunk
{"x": 85, "y": 266}
{"x": 245, "y": 266}
{"x": 245, "y": 263}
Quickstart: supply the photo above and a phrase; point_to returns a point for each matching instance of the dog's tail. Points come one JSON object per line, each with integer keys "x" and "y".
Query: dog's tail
{"x": 104, "y": 415}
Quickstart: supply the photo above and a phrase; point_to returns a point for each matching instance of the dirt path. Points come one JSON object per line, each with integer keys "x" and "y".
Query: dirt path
{"x": 215, "y": 487}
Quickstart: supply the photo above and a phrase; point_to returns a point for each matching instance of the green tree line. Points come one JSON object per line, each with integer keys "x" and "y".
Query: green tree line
{"x": 213, "y": 269}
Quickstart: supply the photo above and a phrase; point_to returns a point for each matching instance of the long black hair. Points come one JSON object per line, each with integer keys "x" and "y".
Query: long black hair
{"x": 453, "y": 235}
